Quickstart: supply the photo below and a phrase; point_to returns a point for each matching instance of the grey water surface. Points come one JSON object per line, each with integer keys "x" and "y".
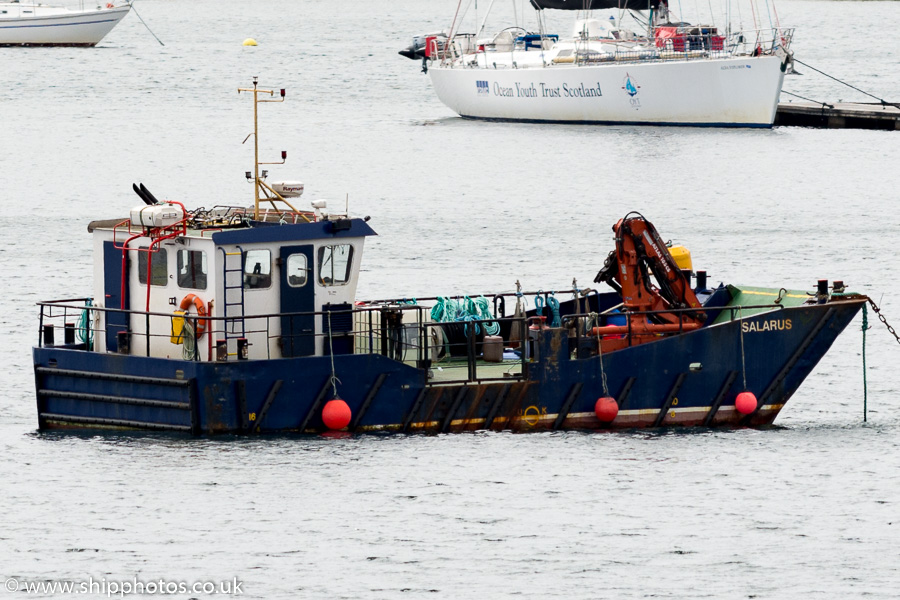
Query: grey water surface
{"x": 809, "y": 508}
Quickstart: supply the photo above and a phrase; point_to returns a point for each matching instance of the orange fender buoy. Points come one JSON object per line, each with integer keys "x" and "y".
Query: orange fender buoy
{"x": 745, "y": 403}
{"x": 606, "y": 409}
{"x": 336, "y": 414}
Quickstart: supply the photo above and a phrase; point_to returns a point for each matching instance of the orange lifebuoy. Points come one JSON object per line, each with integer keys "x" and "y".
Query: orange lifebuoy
{"x": 110, "y": 5}
{"x": 202, "y": 324}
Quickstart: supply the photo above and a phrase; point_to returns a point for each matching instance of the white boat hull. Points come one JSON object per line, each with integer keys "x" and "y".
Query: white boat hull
{"x": 738, "y": 92}
{"x": 68, "y": 28}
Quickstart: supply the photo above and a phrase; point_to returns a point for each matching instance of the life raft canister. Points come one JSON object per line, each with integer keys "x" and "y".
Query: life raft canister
{"x": 192, "y": 299}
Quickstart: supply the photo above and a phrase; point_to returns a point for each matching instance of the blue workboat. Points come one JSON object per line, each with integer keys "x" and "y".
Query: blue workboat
{"x": 246, "y": 320}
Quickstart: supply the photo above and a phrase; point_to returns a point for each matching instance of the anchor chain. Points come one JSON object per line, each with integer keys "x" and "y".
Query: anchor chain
{"x": 883, "y": 320}
{"x": 865, "y": 326}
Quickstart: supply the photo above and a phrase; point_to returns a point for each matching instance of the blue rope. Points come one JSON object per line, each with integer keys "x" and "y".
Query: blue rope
{"x": 448, "y": 310}
{"x": 85, "y": 333}
{"x": 439, "y": 310}
{"x": 539, "y": 305}
{"x": 466, "y": 327}
{"x": 484, "y": 313}
{"x": 553, "y": 303}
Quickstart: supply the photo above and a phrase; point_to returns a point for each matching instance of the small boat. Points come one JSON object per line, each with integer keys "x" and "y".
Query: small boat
{"x": 38, "y": 24}
{"x": 668, "y": 73}
{"x": 246, "y": 319}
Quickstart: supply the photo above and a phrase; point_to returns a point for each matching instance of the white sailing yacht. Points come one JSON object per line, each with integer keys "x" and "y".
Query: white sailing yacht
{"x": 670, "y": 73}
{"x": 37, "y": 24}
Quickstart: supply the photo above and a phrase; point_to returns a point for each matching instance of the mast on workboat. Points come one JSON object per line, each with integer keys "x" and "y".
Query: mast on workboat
{"x": 263, "y": 192}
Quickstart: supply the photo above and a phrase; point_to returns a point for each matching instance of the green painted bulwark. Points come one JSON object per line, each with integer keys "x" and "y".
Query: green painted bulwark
{"x": 756, "y": 296}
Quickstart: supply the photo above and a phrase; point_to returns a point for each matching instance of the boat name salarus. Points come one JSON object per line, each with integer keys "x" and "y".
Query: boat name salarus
{"x": 772, "y": 325}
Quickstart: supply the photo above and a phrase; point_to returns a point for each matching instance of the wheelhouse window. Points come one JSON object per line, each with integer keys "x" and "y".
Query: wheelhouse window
{"x": 334, "y": 264}
{"x": 159, "y": 267}
{"x": 192, "y": 269}
{"x": 257, "y": 269}
{"x": 297, "y": 269}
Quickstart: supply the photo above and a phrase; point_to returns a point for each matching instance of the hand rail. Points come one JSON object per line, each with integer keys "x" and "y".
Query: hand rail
{"x": 706, "y": 43}
{"x": 393, "y": 337}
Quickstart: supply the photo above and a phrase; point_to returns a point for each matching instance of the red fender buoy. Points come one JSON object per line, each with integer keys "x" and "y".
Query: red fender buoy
{"x": 606, "y": 409}
{"x": 336, "y": 414}
{"x": 745, "y": 403}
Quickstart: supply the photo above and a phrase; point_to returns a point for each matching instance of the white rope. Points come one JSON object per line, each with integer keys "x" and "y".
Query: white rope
{"x": 462, "y": 17}
{"x": 334, "y": 379}
{"x": 602, "y": 370}
{"x": 743, "y": 360}
{"x": 480, "y": 31}
{"x": 541, "y": 31}
{"x": 189, "y": 342}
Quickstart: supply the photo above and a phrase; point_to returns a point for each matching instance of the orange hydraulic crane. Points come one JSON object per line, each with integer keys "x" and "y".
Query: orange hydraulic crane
{"x": 651, "y": 309}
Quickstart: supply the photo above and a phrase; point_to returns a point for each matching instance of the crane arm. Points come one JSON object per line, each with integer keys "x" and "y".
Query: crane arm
{"x": 639, "y": 253}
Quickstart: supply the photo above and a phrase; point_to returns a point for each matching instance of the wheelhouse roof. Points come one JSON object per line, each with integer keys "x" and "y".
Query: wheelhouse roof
{"x": 263, "y": 232}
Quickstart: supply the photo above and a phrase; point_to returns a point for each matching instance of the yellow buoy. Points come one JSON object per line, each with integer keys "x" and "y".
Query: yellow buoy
{"x": 250, "y": 42}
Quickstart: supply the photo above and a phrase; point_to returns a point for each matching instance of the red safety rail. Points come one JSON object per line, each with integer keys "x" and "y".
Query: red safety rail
{"x": 156, "y": 235}
{"x": 433, "y": 47}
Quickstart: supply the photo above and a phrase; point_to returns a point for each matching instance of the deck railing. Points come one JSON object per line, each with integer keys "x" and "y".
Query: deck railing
{"x": 451, "y": 352}
{"x": 704, "y": 44}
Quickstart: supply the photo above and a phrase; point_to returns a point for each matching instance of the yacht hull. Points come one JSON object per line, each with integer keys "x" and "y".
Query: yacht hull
{"x": 735, "y": 92}
{"x": 71, "y": 28}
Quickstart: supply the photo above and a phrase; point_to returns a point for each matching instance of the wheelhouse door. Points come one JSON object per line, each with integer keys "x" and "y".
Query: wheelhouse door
{"x": 112, "y": 290}
{"x": 298, "y": 295}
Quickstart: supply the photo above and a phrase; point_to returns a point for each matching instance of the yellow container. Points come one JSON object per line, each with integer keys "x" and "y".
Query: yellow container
{"x": 682, "y": 257}
{"x": 178, "y": 327}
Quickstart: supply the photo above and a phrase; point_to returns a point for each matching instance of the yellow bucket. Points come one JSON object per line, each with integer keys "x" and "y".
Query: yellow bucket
{"x": 178, "y": 327}
{"x": 682, "y": 257}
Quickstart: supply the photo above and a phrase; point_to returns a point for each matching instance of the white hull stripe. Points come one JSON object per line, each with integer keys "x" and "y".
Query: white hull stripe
{"x": 550, "y": 418}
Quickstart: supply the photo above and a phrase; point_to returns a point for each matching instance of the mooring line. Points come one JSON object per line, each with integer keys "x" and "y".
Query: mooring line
{"x": 807, "y": 99}
{"x": 741, "y": 333}
{"x": 883, "y": 102}
{"x": 134, "y": 10}
{"x": 865, "y": 326}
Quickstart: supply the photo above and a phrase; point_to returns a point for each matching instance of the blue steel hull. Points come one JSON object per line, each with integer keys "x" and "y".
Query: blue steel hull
{"x": 690, "y": 379}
